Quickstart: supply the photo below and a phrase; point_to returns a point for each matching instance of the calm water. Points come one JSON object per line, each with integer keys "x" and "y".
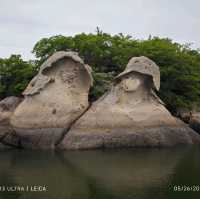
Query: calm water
{"x": 119, "y": 174}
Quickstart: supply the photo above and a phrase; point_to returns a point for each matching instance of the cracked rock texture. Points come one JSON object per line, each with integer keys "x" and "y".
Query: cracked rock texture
{"x": 130, "y": 115}
{"x": 53, "y": 100}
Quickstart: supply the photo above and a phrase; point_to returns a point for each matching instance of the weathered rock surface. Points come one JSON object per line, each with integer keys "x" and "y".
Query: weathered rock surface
{"x": 130, "y": 115}
{"x": 195, "y": 122}
{"x": 184, "y": 114}
{"x": 54, "y": 99}
{"x": 7, "y": 107}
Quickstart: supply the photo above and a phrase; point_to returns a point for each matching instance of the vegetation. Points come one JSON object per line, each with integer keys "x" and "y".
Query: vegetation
{"x": 14, "y": 75}
{"x": 108, "y": 56}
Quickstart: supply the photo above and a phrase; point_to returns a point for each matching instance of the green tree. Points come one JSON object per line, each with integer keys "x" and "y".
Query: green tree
{"x": 14, "y": 75}
{"x": 108, "y": 56}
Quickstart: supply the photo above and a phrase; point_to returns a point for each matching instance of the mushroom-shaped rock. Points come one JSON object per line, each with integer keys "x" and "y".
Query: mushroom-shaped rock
{"x": 144, "y": 66}
{"x": 54, "y": 99}
{"x": 130, "y": 115}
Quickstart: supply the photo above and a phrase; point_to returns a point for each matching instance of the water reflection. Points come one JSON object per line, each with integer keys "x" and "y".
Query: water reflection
{"x": 122, "y": 174}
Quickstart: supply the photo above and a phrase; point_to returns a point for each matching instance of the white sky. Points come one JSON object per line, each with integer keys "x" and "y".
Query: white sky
{"x": 24, "y": 22}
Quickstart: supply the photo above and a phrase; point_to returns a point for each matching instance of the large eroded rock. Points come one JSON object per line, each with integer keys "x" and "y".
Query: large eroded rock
{"x": 54, "y": 99}
{"x": 130, "y": 115}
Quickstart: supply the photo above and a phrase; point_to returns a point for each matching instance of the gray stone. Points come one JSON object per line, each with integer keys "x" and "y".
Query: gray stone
{"x": 129, "y": 115}
{"x": 54, "y": 99}
{"x": 144, "y": 66}
{"x": 7, "y": 107}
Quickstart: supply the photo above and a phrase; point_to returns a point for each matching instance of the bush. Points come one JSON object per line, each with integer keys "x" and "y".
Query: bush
{"x": 14, "y": 75}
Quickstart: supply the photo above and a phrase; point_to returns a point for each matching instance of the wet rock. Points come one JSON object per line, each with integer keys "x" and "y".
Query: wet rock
{"x": 130, "y": 115}
{"x": 54, "y": 99}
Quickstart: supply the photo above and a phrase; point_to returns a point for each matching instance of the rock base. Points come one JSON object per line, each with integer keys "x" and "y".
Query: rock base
{"x": 125, "y": 138}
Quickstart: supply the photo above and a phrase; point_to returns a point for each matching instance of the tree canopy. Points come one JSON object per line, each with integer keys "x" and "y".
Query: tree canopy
{"x": 15, "y": 74}
{"x": 108, "y": 56}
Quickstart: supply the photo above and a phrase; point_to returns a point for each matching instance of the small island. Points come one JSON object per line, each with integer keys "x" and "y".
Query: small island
{"x": 56, "y": 114}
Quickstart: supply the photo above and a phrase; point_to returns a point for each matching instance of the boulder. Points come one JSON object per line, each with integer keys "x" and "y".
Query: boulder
{"x": 130, "y": 115}
{"x": 195, "y": 122}
{"x": 7, "y": 107}
{"x": 53, "y": 100}
{"x": 184, "y": 114}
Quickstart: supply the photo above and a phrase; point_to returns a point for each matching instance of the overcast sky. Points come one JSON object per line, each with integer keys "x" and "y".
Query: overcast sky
{"x": 24, "y": 22}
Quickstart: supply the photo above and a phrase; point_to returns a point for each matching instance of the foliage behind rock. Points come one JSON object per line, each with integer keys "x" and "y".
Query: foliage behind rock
{"x": 108, "y": 56}
{"x": 15, "y": 74}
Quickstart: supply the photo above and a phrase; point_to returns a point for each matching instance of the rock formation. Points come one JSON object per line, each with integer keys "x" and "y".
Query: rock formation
{"x": 54, "y": 99}
{"x": 130, "y": 115}
{"x": 7, "y": 107}
{"x": 195, "y": 122}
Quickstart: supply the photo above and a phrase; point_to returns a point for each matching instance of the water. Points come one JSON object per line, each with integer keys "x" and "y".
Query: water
{"x": 116, "y": 174}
